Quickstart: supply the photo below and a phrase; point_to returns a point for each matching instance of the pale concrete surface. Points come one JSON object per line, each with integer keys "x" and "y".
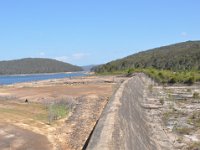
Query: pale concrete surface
{"x": 123, "y": 123}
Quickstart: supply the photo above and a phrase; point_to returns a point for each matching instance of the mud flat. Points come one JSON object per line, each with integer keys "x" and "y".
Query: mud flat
{"x": 22, "y": 122}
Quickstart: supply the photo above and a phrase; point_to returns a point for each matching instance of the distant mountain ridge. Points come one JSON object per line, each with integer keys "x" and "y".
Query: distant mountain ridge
{"x": 88, "y": 68}
{"x": 180, "y": 56}
{"x": 35, "y": 65}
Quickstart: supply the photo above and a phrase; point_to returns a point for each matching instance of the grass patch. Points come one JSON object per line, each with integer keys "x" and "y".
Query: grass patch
{"x": 182, "y": 130}
{"x": 161, "y": 101}
{"x": 32, "y": 111}
{"x": 172, "y": 114}
{"x": 194, "y": 146}
{"x": 166, "y": 116}
{"x": 194, "y": 119}
{"x": 58, "y": 110}
{"x": 150, "y": 88}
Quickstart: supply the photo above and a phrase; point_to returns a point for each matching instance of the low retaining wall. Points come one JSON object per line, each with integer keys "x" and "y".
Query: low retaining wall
{"x": 122, "y": 125}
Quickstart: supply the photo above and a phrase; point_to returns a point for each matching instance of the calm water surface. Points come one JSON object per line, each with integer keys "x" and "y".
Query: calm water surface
{"x": 11, "y": 79}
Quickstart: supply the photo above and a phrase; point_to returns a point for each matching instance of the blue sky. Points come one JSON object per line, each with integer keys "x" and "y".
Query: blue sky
{"x": 84, "y": 32}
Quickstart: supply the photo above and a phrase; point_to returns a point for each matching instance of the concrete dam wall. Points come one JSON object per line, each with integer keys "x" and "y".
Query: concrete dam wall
{"x": 123, "y": 123}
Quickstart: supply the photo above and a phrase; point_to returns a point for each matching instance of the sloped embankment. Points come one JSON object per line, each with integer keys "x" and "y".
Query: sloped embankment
{"x": 123, "y": 124}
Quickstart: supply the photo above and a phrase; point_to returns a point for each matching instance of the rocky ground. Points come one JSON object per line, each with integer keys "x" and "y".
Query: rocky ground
{"x": 174, "y": 109}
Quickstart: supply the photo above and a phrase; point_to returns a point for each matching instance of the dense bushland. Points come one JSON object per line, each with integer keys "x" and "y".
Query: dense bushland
{"x": 35, "y": 65}
{"x": 177, "y": 57}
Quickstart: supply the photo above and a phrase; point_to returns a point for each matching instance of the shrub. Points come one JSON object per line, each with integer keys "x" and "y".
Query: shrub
{"x": 59, "y": 109}
{"x": 183, "y": 130}
{"x": 162, "y": 101}
{"x": 195, "y": 95}
{"x": 172, "y": 80}
{"x": 130, "y": 70}
{"x": 190, "y": 80}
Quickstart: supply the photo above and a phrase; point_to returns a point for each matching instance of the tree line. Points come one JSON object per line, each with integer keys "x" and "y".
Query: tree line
{"x": 176, "y": 57}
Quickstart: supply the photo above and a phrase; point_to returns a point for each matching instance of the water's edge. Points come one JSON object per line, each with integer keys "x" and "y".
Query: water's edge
{"x": 12, "y": 79}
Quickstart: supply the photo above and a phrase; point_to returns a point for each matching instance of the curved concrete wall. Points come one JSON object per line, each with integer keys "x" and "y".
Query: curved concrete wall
{"x": 122, "y": 125}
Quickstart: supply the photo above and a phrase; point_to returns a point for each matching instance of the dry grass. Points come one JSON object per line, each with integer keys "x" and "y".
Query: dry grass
{"x": 23, "y": 111}
{"x": 194, "y": 146}
{"x": 183, "y": 130}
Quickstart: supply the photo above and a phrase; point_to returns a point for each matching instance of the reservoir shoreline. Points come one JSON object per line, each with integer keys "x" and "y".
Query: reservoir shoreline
{"x": 12, "y": 79}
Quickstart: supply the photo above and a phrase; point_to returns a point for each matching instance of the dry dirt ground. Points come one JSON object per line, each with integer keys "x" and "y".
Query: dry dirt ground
{"x": 25, "y": 125}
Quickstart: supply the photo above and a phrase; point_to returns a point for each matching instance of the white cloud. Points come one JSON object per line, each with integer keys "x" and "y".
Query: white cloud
{"x": 184, "y": 34}
{"x": 63, "y": 58}
{"x": 79, "y": 56}
{"x": 42, "y": 54}
{"x": 73, "y": 57}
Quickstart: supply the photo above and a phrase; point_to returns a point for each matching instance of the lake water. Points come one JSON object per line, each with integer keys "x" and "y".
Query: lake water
{"x": 11, "y": 79}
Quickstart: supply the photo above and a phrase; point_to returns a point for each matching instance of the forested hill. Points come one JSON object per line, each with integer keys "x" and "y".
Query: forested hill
{"x": 181, "y": 56}
{"x": 35, "y": 65}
